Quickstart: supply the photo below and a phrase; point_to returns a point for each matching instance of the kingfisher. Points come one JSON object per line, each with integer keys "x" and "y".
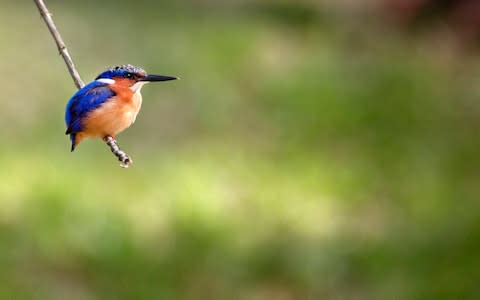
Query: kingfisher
{"x": 108, "y": 105}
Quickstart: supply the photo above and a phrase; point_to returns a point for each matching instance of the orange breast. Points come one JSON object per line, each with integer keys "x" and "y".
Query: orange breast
{"x": 113, "y": 116}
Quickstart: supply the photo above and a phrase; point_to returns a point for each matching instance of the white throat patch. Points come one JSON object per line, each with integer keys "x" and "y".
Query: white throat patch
{"x": 138, "y": 86}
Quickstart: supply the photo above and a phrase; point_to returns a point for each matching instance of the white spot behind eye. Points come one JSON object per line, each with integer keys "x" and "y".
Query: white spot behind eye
{"x": 106, "y": 80}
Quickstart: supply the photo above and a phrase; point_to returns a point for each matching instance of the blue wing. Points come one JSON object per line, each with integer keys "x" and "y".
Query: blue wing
{"x": 84, "y": 101}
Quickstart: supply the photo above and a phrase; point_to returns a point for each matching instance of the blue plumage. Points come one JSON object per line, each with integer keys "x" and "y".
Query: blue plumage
{"x": 108, "y": 105}
{"x": 126, "y": 71}
{"x": 84, "y": 101}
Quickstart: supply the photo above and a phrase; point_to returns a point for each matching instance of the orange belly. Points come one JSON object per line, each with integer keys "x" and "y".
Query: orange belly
{"x": 112, "y": 117}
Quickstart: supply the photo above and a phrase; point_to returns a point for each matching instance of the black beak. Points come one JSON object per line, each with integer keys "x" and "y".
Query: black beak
{"x": 157, "y": 78}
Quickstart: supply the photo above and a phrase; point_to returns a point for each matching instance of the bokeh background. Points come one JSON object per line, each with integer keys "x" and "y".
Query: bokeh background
{"x": 312, "y": 150}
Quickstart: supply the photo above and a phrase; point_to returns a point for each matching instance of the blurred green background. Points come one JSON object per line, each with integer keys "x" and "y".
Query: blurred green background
{"x": 312, "y": 150}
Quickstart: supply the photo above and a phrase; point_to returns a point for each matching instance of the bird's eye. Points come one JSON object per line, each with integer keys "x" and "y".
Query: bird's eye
{"x": 128, "y": 75}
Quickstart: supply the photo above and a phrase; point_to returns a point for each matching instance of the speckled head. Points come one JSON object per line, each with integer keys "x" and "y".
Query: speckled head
{"x": 123, "y": 71}
{"x": 132, "y": 73}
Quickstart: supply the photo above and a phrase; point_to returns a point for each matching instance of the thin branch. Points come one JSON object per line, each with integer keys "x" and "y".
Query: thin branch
{"x": 125, "y": 160}
{"x": 47, "y": 17}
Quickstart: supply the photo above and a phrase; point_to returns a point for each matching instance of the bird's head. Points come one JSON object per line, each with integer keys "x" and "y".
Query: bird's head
{"x": 130, "y": 76}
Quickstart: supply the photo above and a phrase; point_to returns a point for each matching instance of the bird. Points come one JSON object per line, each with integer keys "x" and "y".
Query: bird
{"x": 108, "y": 105}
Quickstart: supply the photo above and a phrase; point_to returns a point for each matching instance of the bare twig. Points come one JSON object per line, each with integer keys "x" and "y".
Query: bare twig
{"x": 47, "y": 17}
{"x": 122, "y": 156}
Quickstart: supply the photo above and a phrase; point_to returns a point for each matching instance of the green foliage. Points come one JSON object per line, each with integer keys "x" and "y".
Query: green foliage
{"x": 298, "y": 158}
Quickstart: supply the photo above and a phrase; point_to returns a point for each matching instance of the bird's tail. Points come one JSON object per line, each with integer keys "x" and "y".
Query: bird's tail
{"x": 76, "y": 138}
{"x": 73, "y": 138}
